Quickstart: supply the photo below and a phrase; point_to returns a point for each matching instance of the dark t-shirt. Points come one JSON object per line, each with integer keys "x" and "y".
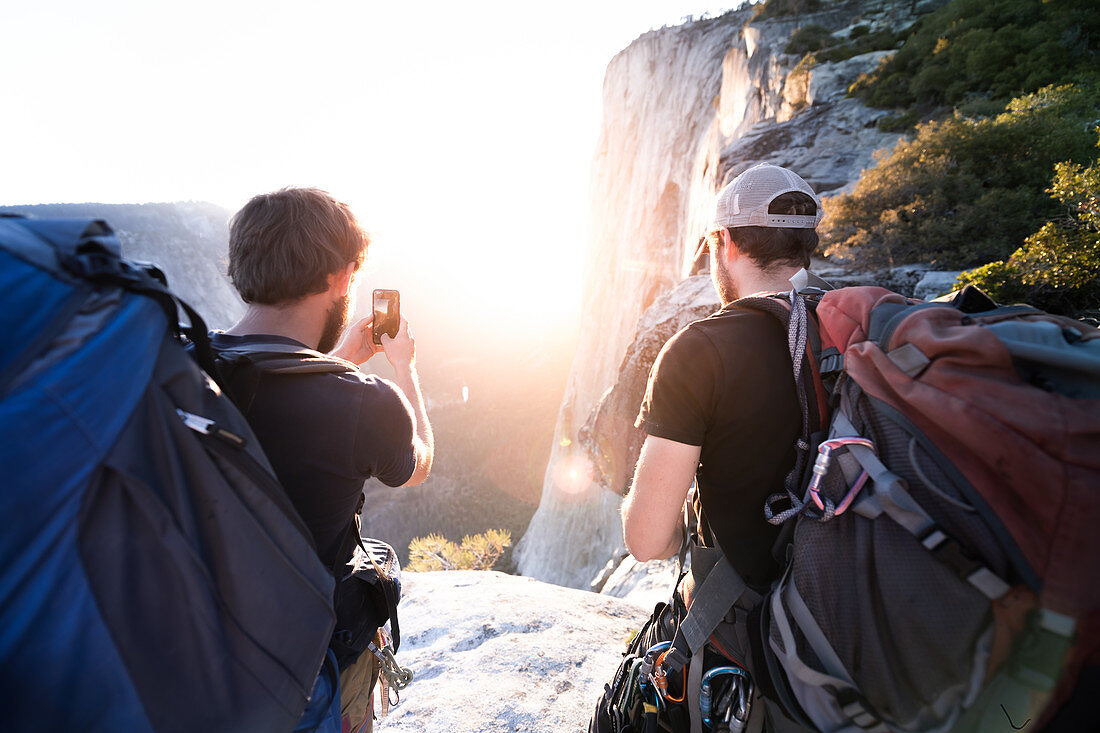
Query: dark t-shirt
{"x": 725, "y": 383}
{"x": 325, "y": 434}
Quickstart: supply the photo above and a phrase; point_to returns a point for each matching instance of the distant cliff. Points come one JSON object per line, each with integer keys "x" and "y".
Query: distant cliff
{"x": 686, "y": 109}
{"x": 188, "y": 240}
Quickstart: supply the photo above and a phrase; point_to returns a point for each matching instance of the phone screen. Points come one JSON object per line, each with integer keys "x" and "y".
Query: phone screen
{"x": 387, "y": 314}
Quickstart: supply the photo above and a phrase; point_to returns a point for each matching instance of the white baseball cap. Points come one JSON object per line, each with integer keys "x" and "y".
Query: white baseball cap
{"x": 744, "y": 201}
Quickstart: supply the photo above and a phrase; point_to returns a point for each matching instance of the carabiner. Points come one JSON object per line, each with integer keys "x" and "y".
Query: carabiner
{"x": 821, "y": 467}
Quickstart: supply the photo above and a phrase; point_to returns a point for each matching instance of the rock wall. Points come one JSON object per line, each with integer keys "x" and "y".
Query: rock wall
{"x": 188, "y": 240}
{"x": 685, "y": 109}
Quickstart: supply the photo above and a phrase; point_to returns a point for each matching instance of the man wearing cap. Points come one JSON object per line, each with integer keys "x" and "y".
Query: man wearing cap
{"x": 720, "y": 406}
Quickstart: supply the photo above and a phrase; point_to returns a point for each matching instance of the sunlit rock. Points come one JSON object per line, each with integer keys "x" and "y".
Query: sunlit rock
{"x": 496, "y": 652}
{"x": 188, "y": 240}
{"x": 609, "y": 436}
{"x": 685, "y": 109}
{"x": 642, "y": 583}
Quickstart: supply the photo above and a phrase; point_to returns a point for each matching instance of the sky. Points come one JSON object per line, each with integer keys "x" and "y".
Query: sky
{"x": 461, "y": 133}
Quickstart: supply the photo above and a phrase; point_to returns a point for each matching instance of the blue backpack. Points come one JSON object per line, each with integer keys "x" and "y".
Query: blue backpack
{"x": 153, "y": 574}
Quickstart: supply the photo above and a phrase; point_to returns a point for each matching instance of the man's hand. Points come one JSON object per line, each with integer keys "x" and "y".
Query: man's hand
{"x": 357, "y": 344}
{"x": 401, "y": 349}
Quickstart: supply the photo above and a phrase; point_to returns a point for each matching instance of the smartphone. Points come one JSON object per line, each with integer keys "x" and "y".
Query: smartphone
{"x": 387, "y": 314}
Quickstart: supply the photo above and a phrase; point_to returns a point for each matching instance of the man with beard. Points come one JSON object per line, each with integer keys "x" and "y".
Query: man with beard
{"x": 720, "y": 408}
{"x": 293, "y": 257}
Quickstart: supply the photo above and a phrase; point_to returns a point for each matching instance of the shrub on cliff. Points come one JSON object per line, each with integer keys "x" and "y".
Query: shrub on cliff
{"x": 964, "y": 192}
{"x": 1058, "y": 268}
{"x": 986, "y": 48}
{"x": 810, "y": 37}
{"x": 476, "y": 552}
{"x": 779, "y": 8}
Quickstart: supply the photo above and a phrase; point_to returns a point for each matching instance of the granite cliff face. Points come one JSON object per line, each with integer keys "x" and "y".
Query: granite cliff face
{"x": 685, "y": 109}
{"x": 188, "y": 240}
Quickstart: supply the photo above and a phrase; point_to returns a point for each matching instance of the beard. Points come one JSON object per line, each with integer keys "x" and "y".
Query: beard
{"x": 723, "y": 283}
{"x": 336, "y": 320}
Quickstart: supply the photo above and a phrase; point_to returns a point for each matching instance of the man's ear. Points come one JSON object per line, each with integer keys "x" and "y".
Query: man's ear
{"x": 730, "y": 252}
{"x": 341, "y": 280}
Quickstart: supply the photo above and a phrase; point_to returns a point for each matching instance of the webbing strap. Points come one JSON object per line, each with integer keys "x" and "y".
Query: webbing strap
{"x": 835, "y": 677}
{"x": 710, "y": 602}
{"x": 893, "y": 498}
{"x": 805, "y": 281}
{"x": 815, "y": 637}
{"x": 694, "y": 687}
{"x": 792, "y": 664}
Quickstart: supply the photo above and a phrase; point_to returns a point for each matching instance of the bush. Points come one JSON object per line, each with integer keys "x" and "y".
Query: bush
{"x": 897, "y": 123}
{"x": 964, "y": 192}
{"x": 477, "y": 552}
{"x": 780, "y": 8}
{"x": 1001, "y": 48}
{"x": 812, "y": 37}
{"x": 1058, "y": 268}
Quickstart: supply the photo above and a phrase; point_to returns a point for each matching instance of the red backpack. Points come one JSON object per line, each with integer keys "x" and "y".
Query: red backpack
{"x": 944, "y": 564}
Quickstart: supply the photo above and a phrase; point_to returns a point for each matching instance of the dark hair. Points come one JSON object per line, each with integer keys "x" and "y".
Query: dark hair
{"x": 284, "y": 245}
{"x": 771, "y": 247}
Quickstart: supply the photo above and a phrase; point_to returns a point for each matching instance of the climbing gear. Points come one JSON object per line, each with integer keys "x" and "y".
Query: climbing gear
{"x": 397, "y": 676}
{"x": 647, "y": 694}
{"x": 821, "y": 469}
{"x": 732, "y": 710}
{"x": 155, "y": 575}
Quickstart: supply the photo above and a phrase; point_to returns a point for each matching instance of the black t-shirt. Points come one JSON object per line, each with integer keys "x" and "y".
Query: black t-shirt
{"x": 725, "y": 383}
{"x": 325, "y": 434}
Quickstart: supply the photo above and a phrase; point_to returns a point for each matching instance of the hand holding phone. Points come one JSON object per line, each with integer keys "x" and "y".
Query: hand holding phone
{"x": 387, "y": 314}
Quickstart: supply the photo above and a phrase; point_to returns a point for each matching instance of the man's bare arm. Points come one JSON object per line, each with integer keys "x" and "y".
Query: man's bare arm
{"x": 424, "y": 441}
{"x": 358, "y": 346}
{"x": 401, "y": 354}
{"x": 652, "y": 511}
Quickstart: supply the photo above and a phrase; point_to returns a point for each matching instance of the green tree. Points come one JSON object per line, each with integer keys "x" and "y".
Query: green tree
{"x": 1058, "y": 267}
{"x": 964, "y": 192}
{"x": 476, "y": 552}
{"x": 987, "y": 49}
